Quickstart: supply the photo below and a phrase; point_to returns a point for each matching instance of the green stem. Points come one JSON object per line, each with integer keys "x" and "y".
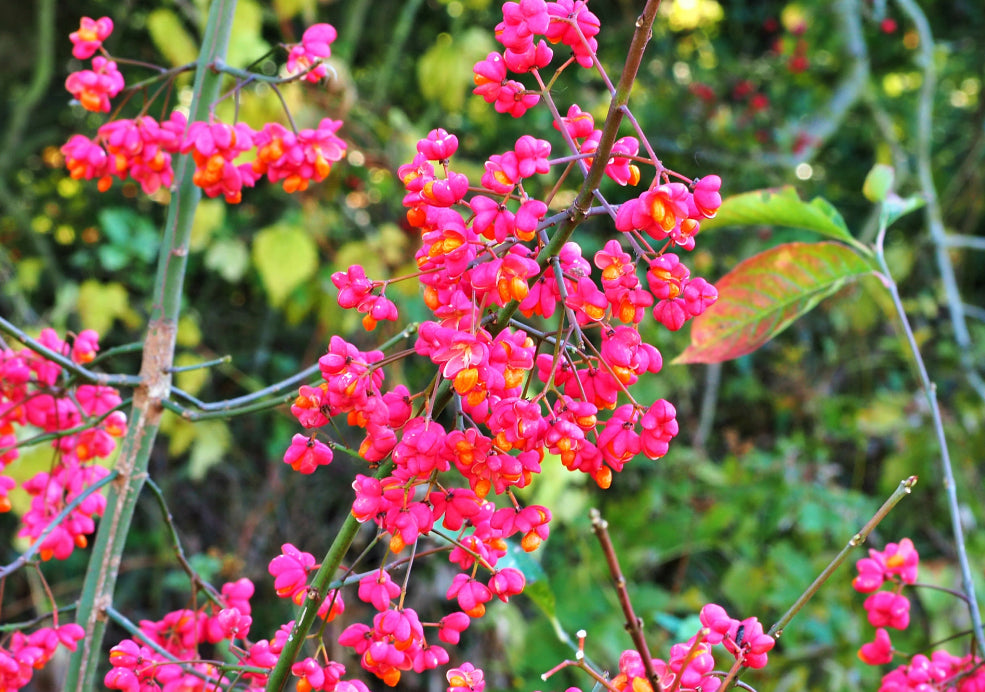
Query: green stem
{"x": 316, "y": 594}
{"x": 232, "y": 406}
{"x": 950, "y": 484}
{"x": 933, "y": 214}
{"x": 155, "y": 386}
{"x": 576, "y": 214}
{"x": 19, "y": 122}
{"x": 179, "y": 551}
{"x": 264, "y": 405}
{"x": 67, "y": 363}
{"x": 262, "y": 399}
{"x": 24, "y": 625}
{"x": 902, "y": 490}
{"x": 86, "y": 424}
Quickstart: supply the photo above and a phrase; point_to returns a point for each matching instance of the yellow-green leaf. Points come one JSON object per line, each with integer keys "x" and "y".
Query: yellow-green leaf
{"x": 878, "y": 183}
{"x": 29, "y": 271}
{"x": 212, "y": 439}
{"x": 444, "y": 72}
{"x": 180, "y": 432}
{"x": 229, "y": 257}
{"x": 171, "y": 38}
{"x": 392, "y": 244}
{"x": 100, "y": 304}
{"x": 209, "y": 216}
{"x": 189, "y": 333}
{"x": 285, "y": 256}
{"x": 288, "y": 9}
{"x": 190, "y": 381}
{"x": 245, "y": 41}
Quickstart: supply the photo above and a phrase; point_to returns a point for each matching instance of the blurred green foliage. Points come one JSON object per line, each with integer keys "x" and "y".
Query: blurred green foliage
{"x": 808, "y": 434}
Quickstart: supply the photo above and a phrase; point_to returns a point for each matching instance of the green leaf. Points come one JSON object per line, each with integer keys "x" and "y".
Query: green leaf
{"x": 537, "y": 587}
{"x": 115, "y": 223}
{"x": 189, "y": 331}
{"x": 229, "y": 257}
{"x": 783, "y": 207}
{"x": 212, "y": 440}
{"x": 878, "y": 183}
{"x": 112, "y": 257}
{"x": 444, "y": 72}
{"x": 245, "y": 41}
{"x": 288, "y": 9}
{"x": 764, "y": 294}
{"x": 130, "y": 235}
{"x": 99, "y": 304}
{"x": 171, "y": 38}
{"x": 894, "y": 206}
{"x": 210, "y": 215}
{"x": 286, "y": 257}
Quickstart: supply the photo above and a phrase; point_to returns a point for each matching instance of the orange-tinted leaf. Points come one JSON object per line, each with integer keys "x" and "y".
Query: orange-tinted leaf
{"x": 764, "y": 294}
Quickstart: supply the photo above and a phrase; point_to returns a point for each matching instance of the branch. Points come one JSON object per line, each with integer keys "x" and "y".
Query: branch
{"x": 316, "y": 594}
{"x": 634, "y": 625}
{"x": 155, "y": 380}
{"x": 87, "y": 424}
{"x": 30, "y": 552}
{"x": 179, "y": 552}
{"x": 950, "y": 487}
{"x": 577, "y": 213}
{"x": 579, "y": 209}
{"x": 932, "y": 211}
{"x": 257, "y": 401}
{"x": 80, "y": 371}
{"x": 902, "y": 490}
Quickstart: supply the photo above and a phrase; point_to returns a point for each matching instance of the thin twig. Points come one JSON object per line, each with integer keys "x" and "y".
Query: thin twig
{"x": 67, "y": 363}
{"x": 86, "y": 424}
{"x": 932, "y": 210}
{"x": 581, "y": 662}
{"x": 634, "y": 625}
{"x": 179, "y": 551}
{"x": 257, "y": 401}
{"x": 737, "y": 683}
{"x": 221, "y": 360}
{"x": 135, "y": 631}
{"x": 68, "y": 509}
{"x": 950, "y": 485}
{"x": 26, "y": 624}
{"x": 902, "y": 490}
{"x": 192, "y": 415}
{"x": 231, "y": 405}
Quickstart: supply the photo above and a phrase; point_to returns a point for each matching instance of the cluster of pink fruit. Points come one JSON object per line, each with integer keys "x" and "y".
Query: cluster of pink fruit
{"x": 897, "y": 566}
{"x": 142, "y": 148}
